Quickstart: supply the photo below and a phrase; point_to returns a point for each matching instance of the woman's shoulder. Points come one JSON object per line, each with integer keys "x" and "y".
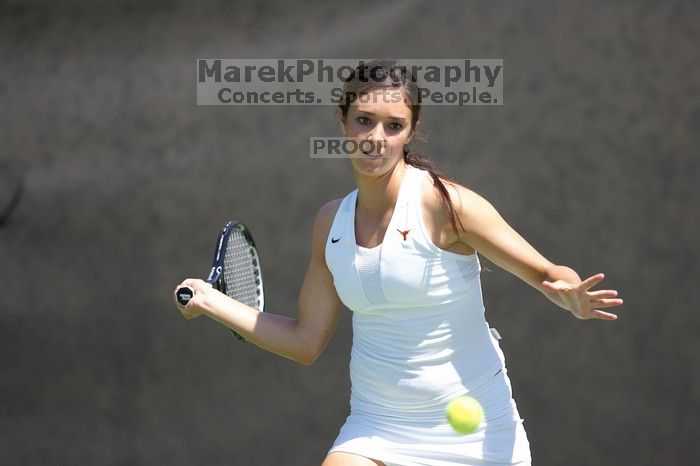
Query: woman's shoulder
{"x": 461, "y": 196}
{"x": 328, "y": 210}
{"x": 470, "y": 207}
{"x": 466, "y": 205}
{"x": 325, "y": 216}
{"x": 322, "y": 226}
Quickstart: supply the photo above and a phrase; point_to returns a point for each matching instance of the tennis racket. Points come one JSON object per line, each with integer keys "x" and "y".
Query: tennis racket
{"x": 235, "y": 270}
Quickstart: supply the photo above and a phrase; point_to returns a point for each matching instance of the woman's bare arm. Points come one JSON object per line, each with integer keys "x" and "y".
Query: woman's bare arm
{"x": 301, "y": 339}
{"x": 487, "y": 232}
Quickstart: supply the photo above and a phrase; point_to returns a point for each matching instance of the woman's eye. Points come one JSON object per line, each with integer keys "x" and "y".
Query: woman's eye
{"x": 362, "y": 120}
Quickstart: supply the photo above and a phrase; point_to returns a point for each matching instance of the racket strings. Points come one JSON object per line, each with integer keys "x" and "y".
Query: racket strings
{"x": 241, "y": 272}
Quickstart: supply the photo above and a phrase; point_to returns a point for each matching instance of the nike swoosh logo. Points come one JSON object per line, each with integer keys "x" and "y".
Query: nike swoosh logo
{"x": 335, "y": 240}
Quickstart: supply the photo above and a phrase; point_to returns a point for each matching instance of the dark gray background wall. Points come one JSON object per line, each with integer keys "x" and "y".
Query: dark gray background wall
{"x": 593, "y": 158}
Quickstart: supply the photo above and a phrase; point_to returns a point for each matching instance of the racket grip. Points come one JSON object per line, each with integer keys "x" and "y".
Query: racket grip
{"x": 184, "y": 294}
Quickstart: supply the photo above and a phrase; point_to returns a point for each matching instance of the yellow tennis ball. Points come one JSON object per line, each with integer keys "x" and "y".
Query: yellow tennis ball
{"x": 464, "y": 414}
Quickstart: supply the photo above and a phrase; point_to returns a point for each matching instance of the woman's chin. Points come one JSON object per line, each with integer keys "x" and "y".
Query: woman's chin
{"x": 369, "y": 164}
{"x": 367, "y": 161}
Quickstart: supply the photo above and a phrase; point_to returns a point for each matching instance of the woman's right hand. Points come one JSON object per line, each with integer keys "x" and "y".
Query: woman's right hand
{"x": 195, "y": 306}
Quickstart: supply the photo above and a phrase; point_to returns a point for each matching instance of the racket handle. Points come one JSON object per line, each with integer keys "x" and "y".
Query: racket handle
{"x": 184, "y": 294}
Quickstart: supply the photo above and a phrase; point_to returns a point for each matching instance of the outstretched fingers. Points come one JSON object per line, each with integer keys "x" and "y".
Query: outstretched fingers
{"x": 604, "y": 298}
{"x": 592, "y": 281}
{"x": 606, "y": 302}
{"x": 600, "y": 294}
{"x": 598, "y": 314}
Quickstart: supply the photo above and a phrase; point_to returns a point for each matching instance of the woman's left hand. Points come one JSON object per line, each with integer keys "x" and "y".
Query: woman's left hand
{"x": 582, "y": 303}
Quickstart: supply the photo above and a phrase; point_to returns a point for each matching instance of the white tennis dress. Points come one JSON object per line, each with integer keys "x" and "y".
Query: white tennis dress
{"x": 420, "y": 339}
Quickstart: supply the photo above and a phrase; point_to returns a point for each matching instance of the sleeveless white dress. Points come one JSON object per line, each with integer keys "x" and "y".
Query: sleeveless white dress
{"x": 420, "y": 339}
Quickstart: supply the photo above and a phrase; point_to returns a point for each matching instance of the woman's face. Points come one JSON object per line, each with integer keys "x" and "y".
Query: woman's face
{"x": 380, "y": 122}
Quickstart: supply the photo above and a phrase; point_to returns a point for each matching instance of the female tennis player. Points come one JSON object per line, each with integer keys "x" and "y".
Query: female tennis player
{"x": 401, "y": 252}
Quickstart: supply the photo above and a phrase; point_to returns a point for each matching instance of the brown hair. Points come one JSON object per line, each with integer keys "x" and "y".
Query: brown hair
{"x": 382, "y": 74}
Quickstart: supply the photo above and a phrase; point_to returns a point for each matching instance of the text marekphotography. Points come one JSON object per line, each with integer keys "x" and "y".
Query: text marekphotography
{"x": 295, "y": 81}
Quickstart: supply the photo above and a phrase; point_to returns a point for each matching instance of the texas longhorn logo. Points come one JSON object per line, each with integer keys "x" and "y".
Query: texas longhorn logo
{"x": 403, "y": 233}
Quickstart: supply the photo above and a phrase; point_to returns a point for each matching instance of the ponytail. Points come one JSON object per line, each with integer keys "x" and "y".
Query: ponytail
{"x": 420, "y": 161}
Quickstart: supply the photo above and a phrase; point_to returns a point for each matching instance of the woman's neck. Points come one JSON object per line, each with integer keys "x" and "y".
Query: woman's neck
{"x": 376, "y": 196}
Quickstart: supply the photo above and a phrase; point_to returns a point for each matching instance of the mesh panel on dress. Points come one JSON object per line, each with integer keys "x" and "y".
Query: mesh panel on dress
{"x": 347, "y": 205}
{"x": 468, "y": 269}
{"x": 241, "y": 274}
{"x": 368, "y": 268}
